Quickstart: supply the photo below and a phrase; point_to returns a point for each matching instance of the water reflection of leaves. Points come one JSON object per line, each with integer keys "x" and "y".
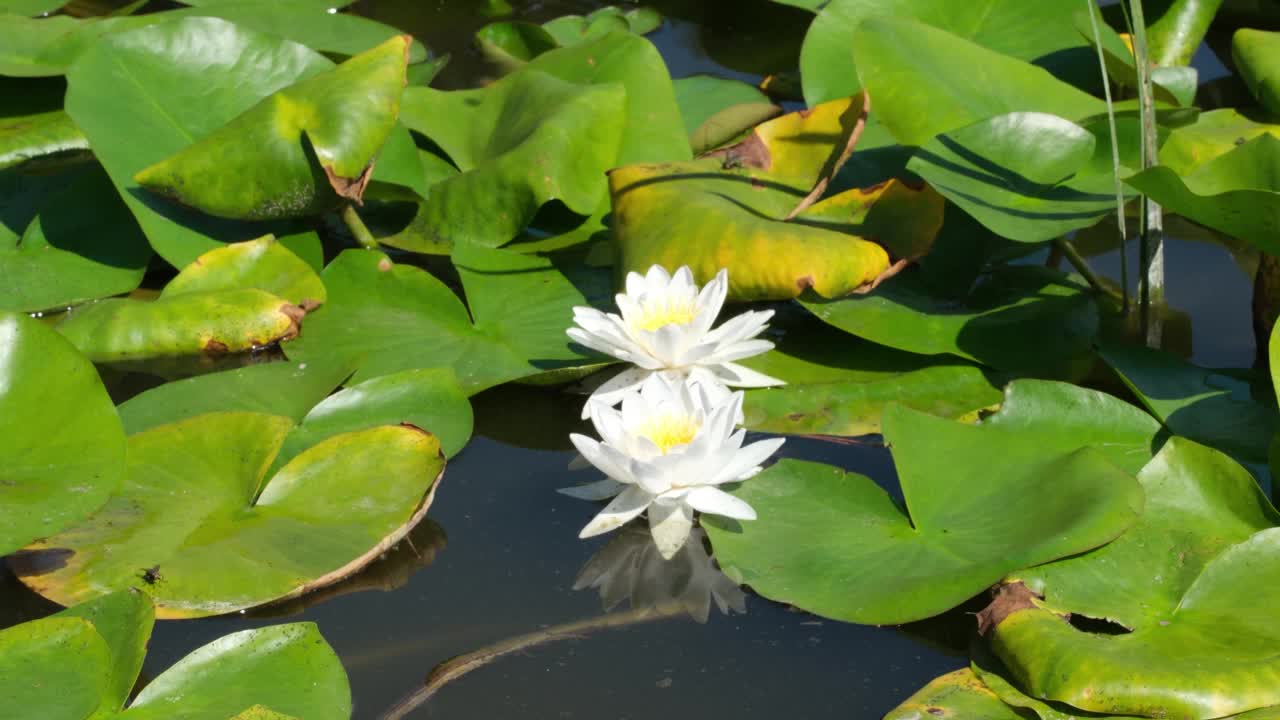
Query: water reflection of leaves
{"x": 389, "y": 572}
{"x": 630, "y": 568}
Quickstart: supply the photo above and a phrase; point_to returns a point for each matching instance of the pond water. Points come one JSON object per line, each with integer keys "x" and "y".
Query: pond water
{"x": 499, "y": 555}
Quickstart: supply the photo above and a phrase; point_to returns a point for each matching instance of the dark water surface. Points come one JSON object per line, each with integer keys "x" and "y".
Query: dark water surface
{"x": 499, "y": 555}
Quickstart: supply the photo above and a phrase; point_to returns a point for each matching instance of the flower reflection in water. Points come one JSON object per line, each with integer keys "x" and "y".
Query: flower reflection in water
{"x": 630, "y": 568}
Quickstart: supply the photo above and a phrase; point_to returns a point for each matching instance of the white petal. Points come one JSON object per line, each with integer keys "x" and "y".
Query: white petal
{"x": 710, "y": 300}
{"x": 622, "y": 510}
{"x": 745, "y": 461}
{"x": 718, "y": 502}
{"x": 738, "y": 351}
{"x": 602, "y": 490}
{"x": 667, "y": 344}
{"x": 735, "y": 375}
{"x": 593, "y": 452}
{"x": 682, "y": 282}
{"x": 740, "y": 327}
{"x": 657, "y": 279}
{"x": 670, "y": 523}
{"x": 635, "y": 284}
{"x": 613, "y": 390}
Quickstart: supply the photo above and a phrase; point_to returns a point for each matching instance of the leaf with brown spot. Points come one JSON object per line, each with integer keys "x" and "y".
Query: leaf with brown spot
{"x": 958, "y": 695}
{"x": 298, "y": 151}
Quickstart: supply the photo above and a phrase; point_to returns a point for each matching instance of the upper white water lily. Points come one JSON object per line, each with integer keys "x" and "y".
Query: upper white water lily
{"x": 665, "y": 326}
{"x": 666, "y": 452}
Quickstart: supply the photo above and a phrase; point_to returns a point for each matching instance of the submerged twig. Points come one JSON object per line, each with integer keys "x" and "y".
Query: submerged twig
{"x": 452, "y": 669}
{"x": 357, "y": 227}
{"x": 1115, "y": 158}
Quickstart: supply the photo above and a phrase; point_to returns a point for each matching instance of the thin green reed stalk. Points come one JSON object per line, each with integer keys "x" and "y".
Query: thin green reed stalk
{"x": 1115, "y": 157}
{"x": 1151, "y": 245}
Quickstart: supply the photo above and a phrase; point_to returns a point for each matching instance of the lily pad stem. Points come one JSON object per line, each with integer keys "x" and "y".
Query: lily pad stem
{"x": 1081, "y": 265}
{"x": 357, "y": 227}
{"x": 1151, "y": 241}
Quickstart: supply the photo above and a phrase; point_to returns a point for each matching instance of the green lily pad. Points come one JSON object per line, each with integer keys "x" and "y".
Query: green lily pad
{"x": 1039, "y": 31}
{"x": 38, "y": 135}
{"x": 837, "y": 545}
{"x": 1255, "y": 53}
{"x": 289, "y": 668}
{"x": 263, "y": 263}
{"x": 840, "y": 386}
{"x": 511, "y": 44}
{"x": 927, "y": 81}
{"x": 574, "y": 29}
{"x": 81, "y": 245}
{"x": 1174, "y": 34}
{"x": 389, "y": 317}
{"x": 1213, "y": 133}
{"x": 56, "y": 668}
{"x": 59, "y": 434}
{"x": 1022, "y": 319}
{"x": 958, "y": 695}
{"x": 520, "y": 143}
{"x": 427, "y": 398}
{"x": 717, "y": 110}
{"x": 143, "y": 95}
{"x": 259, "y": 167}
{"x": 1027, "y": 176}
{"x": 1200, "y": 647}
{"x": 49, "y": 46}
{"x": 1237, "y": 193}
{"x": 25, "y": 40}
{"x": 233, "y": 538}
{"x": 124, "y": 621}
{"x": 1218, "y": 409}
{"x": 280, "y": 388}
{"x": 212, "y": 323}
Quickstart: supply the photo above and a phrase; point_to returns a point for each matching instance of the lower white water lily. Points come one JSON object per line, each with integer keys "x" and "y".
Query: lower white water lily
{"x": 665, "y": 326}
{"x": 666, "y": 452}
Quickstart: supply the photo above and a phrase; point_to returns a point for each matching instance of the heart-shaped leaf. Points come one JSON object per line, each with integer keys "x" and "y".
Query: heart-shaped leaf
{"x": 280, "y": 388}
{"x": 210, "y": 323}
{"x": 263, "y": 264}
{"x": 1027, "y": 176}
{"x": 38, "y": 135}
{"x": 233, "y": 538}
{"x": 839, "y": 386}
{"x": 387, "y": 317}
{"x": 525, "y": 140}
{"x": 1218, "y": 409}
{"x": 927, "y": 81}
{"x": 49, "y": 46}
{"x": 1039, "y": 32}
{"x": 1255, "y": 53}
{"x": 835, "y": 544}
{"x": 1237, "y": 193}
{"x": 717, "y": 110}
{"x": 81, "y": 245}
{"x": 1199, "y": 647}
{"x": 259, "y": 166}
{"x": 59, "y": 434}
{"x": 958, "y": 695}
{"x": 1213, "y": 133}
{"x": 1023, "y": 319}
{"x": 289, "y": 668}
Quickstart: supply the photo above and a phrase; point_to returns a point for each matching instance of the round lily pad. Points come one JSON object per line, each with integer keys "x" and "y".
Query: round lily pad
{"x": 199, "y": 526}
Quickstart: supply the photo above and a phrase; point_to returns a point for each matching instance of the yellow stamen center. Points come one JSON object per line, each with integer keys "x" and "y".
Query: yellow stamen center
{"x": 670, "y": 430}
{"x": 654, "y": 315}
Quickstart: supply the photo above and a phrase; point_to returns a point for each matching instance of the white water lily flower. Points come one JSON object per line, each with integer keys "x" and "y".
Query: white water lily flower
{"x": 666, "y": 452}
{"x": 665, "y": 326}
